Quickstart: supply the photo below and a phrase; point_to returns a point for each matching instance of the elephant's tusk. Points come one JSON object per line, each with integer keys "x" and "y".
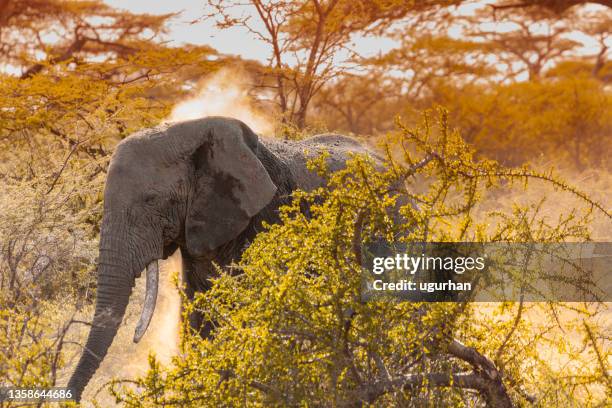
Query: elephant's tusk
{"x": 150, "y": 298}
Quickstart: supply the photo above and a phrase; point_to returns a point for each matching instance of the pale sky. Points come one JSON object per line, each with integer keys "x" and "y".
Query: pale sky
{"x": 231, "y": 41}
{"x": 238, "y": 41}
{"x": 235, "y": 41}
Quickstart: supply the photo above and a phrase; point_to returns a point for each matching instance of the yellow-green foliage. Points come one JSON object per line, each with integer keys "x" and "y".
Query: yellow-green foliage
{"x": 291, "y": 329}
{"x": 31, "y": 341}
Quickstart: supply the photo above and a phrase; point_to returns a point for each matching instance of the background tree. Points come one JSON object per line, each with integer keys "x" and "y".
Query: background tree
{"x": 557, "y": 6}
{"x": 598, "y": 25}
{"x": 357, "y": 103}
{"x": 306, "y": 38}
{"x": 536, "y": 40}
{"x": 115, "y": 60}
{"x": 503, "y": 72}
{"x": 33, "y": 33}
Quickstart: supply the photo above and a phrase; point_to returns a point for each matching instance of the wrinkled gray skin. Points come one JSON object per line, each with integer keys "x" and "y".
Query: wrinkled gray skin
{"x": 204, "y": 186}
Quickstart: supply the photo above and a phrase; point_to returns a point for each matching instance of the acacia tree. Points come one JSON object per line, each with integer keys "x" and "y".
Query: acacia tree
{"x": 359, "y": 104}
{"x": 35, "y": 33}
{"x": 598, "y": 25}
{"x": 562, "y": 111}
{"x": 306, "y": 37}
{"x": 537, "y": 38}
{"x": 426, "y": 59}
{"x": 557, "y": 6}
{"x": 540, "y": 37}
{"x": 75, "y": 71}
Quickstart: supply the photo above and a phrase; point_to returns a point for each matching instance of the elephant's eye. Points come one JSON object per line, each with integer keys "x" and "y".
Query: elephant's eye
{"x": 149, "y": 198}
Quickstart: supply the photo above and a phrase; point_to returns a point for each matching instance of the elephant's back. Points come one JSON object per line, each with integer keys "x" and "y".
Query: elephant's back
{"x": 333, "y": 139}
{"x": 342, "y": 146}
{"x": 295, "y": 154}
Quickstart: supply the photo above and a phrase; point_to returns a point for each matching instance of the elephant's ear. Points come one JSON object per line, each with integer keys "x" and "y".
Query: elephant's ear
{"x": 231, "y": 186}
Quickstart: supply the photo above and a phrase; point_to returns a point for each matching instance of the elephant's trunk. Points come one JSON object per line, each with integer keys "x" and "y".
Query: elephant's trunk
{"x": 119, "y": 264}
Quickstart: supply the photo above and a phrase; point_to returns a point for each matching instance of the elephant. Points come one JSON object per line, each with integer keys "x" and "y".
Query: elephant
{"x": 204, "y": 186}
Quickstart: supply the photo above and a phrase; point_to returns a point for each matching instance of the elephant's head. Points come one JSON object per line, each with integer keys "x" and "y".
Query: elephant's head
{"x": 197, "y": 184}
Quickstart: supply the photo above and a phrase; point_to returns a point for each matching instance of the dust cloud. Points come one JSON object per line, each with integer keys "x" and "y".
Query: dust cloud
{"x": 223, "y": 94}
